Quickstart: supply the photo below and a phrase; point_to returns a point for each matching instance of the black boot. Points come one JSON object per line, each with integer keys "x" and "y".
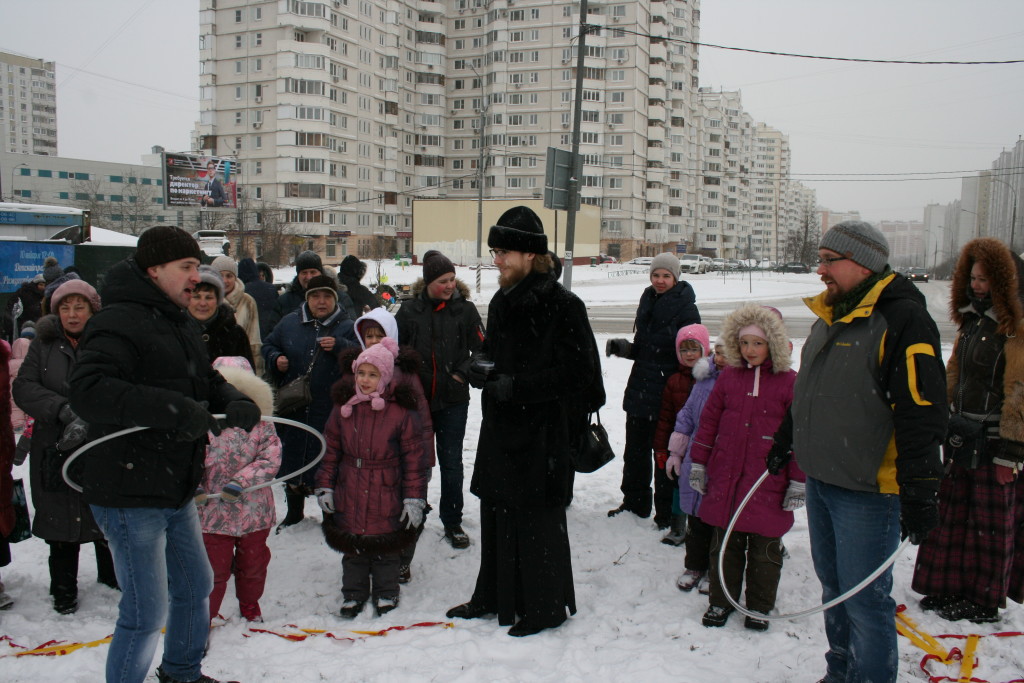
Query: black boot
{"x": 64, "y": 576}
{"x": 296, "y": 507}
{"x": 677, "y": 531}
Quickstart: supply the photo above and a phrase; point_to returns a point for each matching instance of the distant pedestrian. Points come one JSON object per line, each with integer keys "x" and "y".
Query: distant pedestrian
{"x": 350, "y": 273}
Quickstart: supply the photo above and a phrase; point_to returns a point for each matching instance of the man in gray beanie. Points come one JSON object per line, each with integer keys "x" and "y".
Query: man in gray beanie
{"x": 867, "y": 418}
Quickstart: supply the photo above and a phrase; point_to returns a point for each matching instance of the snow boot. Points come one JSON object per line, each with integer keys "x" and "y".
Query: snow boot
{"x": 350, "y": 609}
{"x": 296, "y": 509}
{"x": 165, "y": 678}
{"x": 933, "y": 602}
{"x": 716, "y": 616}
{"x": 404, "y": 574}
{"x": 689, "y": 580}
{"x": 677, "y": 531}
{"x": 755, "y": 624}
{"x": 384, "y": 605}
{"x": 972, "y": 612}
{"x": 456, "y": 536}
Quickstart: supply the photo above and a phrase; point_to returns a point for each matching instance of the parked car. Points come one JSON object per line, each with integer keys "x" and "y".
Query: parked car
{"x": 718, "y": 264}
{"x": 693, "y": 263}
{"x": 794, "y": 267}
{"x": 765, "y": 264}
{"x": 918, "y": 274}
{"x": 641, "y": 261}
{"x": 211, "y": 242}
{"x": 733, "y": 264}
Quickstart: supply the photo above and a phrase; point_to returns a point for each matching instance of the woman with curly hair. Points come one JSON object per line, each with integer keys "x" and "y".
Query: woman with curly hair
{"x": 966, "y": 568}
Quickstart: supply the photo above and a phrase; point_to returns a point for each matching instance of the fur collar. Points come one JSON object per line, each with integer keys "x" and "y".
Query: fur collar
{"x": 756, "y": 314}
{"x": 1003, "y": 271}
{"x": 250, "y": 385}
{"x": 48, "y": 329}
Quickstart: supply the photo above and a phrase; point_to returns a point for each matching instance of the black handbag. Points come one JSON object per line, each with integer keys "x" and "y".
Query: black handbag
{"x": 22, "y": 525}
{"x": 594, "y": 450}
{"x": 296, "y": 395}
{"x": 966, "y": 442}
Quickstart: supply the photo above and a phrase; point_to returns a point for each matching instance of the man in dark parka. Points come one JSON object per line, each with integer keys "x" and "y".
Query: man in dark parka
{"x": 543, "y": 353}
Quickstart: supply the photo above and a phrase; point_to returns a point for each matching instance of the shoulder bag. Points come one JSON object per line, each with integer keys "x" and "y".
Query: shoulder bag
{"x": 295, "y": 395}
{"x": 594, "y": 450}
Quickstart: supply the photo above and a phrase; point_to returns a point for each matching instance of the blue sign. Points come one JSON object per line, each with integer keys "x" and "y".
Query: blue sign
{"x": 21, "y": 261}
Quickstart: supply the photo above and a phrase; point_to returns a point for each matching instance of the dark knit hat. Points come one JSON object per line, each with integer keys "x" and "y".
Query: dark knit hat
{"x": 519, "y": 229}
{"x": 80, "y": 288}
{"x": 436, "y": 264}
{"x": 211, "y": 277}
{"x": 307, "y": 260}
{"x": 319, "y": 282}
{"x": 861, "y": 242}
{"x": 51, "y": 269}
{"x": 52, "y": 287}
{"x": 163, "y": 244}
{"x": 352, "y": 267}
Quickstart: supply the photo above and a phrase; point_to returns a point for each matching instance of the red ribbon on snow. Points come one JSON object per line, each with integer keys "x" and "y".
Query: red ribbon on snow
{"x": 304, "y": 633}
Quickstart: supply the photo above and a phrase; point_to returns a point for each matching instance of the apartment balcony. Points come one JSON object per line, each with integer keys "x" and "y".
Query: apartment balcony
{"x": 655, "y": 134}
{"x": 658, "y": 53}
{"x": 657, "y": 91}
{"x": 656, "y": 114}
{"x": 655, "y": 195}
{"x": 430, "y": 7}
{"x": 656, "y": 155}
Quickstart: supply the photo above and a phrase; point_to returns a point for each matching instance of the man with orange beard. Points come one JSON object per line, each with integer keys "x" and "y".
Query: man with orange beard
{"x": 543, "y": 354}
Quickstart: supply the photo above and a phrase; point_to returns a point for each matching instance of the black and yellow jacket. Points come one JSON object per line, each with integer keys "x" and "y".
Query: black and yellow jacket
{"x": 869, "y": 407}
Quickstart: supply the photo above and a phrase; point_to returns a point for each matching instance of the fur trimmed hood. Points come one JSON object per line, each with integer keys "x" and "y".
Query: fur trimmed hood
{"x": 1003, "y": 270}
{"x": 769, "y": 321}
{"x": 49, "y": 329}
{"x": 419, "y": 286}
{"x": 370, "y": 544}
{"x": 250, "y": 385}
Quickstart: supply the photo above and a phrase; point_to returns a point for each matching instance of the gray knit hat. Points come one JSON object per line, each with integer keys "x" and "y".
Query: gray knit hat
{"x": 211, "y": 277}
{"x": 861, "y": 242}
{"x": 668, "y": 261}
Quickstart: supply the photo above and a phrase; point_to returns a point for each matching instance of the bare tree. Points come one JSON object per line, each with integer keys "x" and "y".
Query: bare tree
{"x": 273, "y": 234}
{"x": 131, "y": 211}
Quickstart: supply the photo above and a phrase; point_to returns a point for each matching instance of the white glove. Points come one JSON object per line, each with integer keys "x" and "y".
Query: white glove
{"x": 795, "y": 496}
{"x": 325, "y": 498}
{"x": 699, "y": 479}
{"x": 673, "y": 465}
{"x": 677, "y": 443}
{"x": 412, "y": 512}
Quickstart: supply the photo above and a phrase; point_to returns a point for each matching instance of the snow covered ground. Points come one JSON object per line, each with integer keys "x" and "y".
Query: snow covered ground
{"x": 632, "y": 621}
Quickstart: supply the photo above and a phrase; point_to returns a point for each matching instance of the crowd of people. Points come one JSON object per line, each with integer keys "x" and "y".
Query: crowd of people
{"x": 875, "y": 435}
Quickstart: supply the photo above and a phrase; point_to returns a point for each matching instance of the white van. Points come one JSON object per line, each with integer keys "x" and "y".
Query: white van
{"x": 211, "y": 242}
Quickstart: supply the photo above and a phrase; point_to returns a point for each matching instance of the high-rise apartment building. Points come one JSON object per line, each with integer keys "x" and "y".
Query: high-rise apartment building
{"x": 342, "y": 112}
{"x": 28, "y": 105}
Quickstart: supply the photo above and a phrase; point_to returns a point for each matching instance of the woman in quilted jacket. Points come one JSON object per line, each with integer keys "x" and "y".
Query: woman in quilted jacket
{"x": 372, "y": 483}
{"x": 236, "y": 526}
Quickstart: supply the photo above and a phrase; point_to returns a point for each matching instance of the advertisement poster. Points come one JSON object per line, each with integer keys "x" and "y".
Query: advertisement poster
{"x": 203, "y": 181}
{"x": 21, "y": 261}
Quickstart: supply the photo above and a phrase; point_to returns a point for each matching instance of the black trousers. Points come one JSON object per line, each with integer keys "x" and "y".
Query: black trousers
{"x": 525, "y": 567}
{"x": 64, "y": 567}
{"x": 363, "y": 575}
{"x": 638, "y": 469}
{"x": 758, "y": 558}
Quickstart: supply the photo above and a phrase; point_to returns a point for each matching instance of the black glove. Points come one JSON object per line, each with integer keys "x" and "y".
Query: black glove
{"x": 479, "y": 368}
{"x": 66, "y": 415}
{"x": 618, "y": 347}
{"x": 195, "y": 421}
{"x": 918, "y": 518}
{"x": 500, "y": 388}
{"x": 242, "y": 414}
{"x": 778, "y": 457}
{"x": 73, "y": 436}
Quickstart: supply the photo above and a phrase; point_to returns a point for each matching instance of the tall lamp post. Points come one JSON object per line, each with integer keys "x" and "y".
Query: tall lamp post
{"x": 1013, "y": 212}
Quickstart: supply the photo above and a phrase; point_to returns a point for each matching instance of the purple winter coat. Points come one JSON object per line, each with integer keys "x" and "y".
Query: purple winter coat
{"x": 250, "y": 458}
{"x": 375, "y": 459}
{"x": 745, "y": 408}
{"x": 687, "y": 422}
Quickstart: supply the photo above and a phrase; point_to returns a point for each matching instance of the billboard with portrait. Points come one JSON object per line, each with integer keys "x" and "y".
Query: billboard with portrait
{"x": 198, "y": 180}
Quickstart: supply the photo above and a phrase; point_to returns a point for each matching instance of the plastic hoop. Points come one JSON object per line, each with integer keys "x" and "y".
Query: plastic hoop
{"x": 807, "y": 612}
{"x": 219, "y": 416}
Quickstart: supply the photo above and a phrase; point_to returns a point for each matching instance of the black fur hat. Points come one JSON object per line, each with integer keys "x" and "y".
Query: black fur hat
{"x": 307, "y": 260}
{"x": 519, "y": 229}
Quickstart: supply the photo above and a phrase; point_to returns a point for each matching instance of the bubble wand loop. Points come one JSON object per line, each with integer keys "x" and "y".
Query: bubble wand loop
{"x": 812, "y": 610}
{"x": 219, "y": 416}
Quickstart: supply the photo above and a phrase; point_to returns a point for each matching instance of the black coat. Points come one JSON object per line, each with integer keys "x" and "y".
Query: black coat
{"x": 139, "y": 361}
{"x": 263, "y": 293}
{"x": 361, "y": 295}
{"x": 32, "y": 307}
{"x": 224, "y": 337}
{"x": 658, "y": 319}
{"x": 41, "y": 391}
{"x": 539, "y": 335}
{"x": 444, "y": 334}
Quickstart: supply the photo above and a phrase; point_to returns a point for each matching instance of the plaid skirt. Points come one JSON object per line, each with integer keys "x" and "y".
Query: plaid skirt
{"x": 971, "y": 553}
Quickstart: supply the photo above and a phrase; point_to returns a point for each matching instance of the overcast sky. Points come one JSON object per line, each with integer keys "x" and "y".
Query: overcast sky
{"x": 127, "y": 80}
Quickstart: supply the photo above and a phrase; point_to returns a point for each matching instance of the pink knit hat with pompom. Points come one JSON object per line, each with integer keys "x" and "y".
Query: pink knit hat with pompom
{"x": 381, "y": 356}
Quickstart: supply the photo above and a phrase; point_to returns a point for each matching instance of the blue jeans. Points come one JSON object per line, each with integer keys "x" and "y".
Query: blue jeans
{"x": 157, "y": 551}
{"x": 852, "y": 534}
{"x": 449, "y": 432}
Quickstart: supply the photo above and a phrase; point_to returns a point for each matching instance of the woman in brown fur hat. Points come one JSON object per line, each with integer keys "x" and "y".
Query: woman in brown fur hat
{"x": 970, "y": 564}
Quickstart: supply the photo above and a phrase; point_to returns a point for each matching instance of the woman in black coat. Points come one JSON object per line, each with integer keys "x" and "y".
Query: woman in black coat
{"x": 350, "y": 272}
{"x": 222, "y": 335}
{"x": 62, "y": 518}
{"x": 667, "y": 305}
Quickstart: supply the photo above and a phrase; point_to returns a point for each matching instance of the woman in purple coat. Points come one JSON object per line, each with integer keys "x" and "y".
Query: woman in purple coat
{"x": 746, "y": 407}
